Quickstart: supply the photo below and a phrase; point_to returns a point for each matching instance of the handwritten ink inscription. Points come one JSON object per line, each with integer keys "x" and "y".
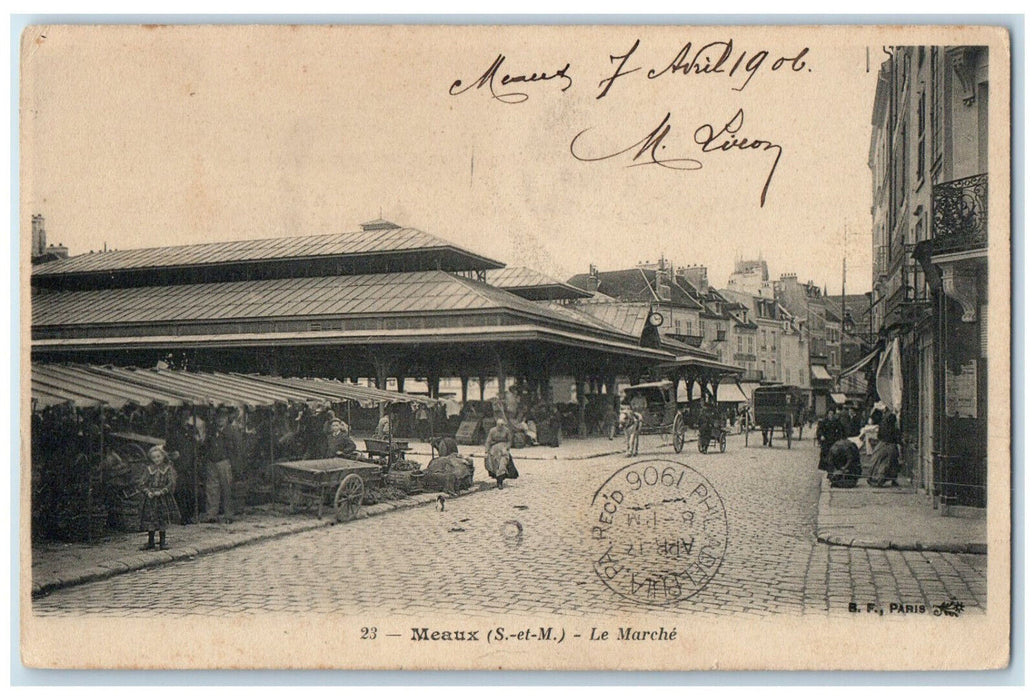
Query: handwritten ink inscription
{"x": 710, "y": 59}
{"x": 719, "y": 59}
{"x": 650, "y": 150}
{"x": 490, "y": 77}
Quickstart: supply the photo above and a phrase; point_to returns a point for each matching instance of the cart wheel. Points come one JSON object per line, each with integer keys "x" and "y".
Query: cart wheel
{"x": 722, "y": 443}
{"x": 348, "y": 498}
{"x": 678, "y": 433}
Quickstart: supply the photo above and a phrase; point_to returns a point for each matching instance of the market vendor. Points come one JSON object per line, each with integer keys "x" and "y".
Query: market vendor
{"x": 844, "y": 465}
{"x": 497, "y": 452}
{"x": 339, "y": 443}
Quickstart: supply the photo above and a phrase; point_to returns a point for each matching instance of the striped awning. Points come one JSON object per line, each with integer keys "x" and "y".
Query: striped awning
{"x": 91, "y": 386}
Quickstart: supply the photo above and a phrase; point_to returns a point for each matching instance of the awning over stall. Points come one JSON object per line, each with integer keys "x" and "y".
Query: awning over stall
{"x": 335, "y": 390}
{"x": 92, "y": 385}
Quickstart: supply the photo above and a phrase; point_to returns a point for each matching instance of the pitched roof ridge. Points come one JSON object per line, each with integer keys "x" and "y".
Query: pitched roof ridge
{"x": 497, "y": 294}
{"x": 122, "y": 252}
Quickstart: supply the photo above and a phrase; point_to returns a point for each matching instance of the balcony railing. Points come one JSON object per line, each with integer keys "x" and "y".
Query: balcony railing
{"x": 961, "y": 214}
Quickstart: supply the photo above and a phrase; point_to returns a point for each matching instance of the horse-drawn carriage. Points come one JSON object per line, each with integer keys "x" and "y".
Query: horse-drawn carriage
{"x": 778, "y": 406}
{"x": 711, "y": 430}
{"x": 657, "y": 405}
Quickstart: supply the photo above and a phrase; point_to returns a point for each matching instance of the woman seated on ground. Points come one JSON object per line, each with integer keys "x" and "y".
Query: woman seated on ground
{"x": 885, "y": 457}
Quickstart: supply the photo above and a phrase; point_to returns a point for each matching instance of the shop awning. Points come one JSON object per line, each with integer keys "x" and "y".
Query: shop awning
{"x": 839, "y": 398}
{"x": 90, "y": 386}
{"x": 820, "y": 372}
{"x": 861, "y": 363}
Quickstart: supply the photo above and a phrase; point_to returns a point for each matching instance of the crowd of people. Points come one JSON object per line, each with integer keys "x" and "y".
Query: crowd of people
{"x": 844, "y": 434}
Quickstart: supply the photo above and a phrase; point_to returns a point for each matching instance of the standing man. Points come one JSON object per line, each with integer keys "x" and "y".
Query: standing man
{"x": 222, "y": 447}
{"x": 423, "y": 423}
{"x": 830, "y": 431}
{"x": 183, "y": 443}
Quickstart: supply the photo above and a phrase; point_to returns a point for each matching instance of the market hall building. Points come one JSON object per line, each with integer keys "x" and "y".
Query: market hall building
{"x": 383, "y": 302}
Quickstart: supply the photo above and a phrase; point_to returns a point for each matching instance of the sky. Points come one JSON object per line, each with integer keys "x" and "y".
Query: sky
{"x": 136, "y": 137}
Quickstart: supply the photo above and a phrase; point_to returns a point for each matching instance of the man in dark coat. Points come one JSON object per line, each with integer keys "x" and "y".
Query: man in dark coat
{"x": 339, "y": 444}
{"x": 830, "y": 431}
{"x": 223, "y": 448}
{"x": 183, "y": 444}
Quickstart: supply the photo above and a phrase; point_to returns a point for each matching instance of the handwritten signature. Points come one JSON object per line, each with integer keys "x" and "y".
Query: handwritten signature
{"x": 650, "y": 149}
{"x": 490, "y": 76}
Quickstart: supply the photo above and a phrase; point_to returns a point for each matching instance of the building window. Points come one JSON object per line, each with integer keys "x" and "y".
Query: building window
{"x": 720, "y": 334}
{"x": 918, "y": 228}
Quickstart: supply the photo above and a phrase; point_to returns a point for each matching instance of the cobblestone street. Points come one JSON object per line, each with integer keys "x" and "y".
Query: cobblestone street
{"x": 527, "y": 549}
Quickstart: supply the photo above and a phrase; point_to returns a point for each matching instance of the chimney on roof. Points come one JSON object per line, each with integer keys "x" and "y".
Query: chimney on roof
{"x": 593, "y": 283}
{"x": 697, "y": 275}
{"x": 39, "y": 236}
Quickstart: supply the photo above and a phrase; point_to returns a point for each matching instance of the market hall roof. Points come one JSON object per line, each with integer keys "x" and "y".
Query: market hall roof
{"x": 405, "y": 307}
{"x": 532, "y": 284}
{"x": 331, "y": 297}
{"x": 379, "y": 247}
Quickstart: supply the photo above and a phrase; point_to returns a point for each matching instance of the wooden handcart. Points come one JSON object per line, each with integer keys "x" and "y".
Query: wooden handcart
{"x": 316, "y": 479}
{"x": 391, "y": 451}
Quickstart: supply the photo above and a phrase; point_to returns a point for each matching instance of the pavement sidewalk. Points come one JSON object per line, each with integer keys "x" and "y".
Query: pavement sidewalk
{"x": 61, "y": 565}
{"x": 894, "y": 518}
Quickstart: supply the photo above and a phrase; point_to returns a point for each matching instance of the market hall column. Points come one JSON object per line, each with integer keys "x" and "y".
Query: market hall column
{"x": 580, "y": 401}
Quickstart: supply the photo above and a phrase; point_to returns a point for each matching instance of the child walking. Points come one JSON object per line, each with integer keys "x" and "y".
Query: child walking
{"x": 159, "y": 508}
